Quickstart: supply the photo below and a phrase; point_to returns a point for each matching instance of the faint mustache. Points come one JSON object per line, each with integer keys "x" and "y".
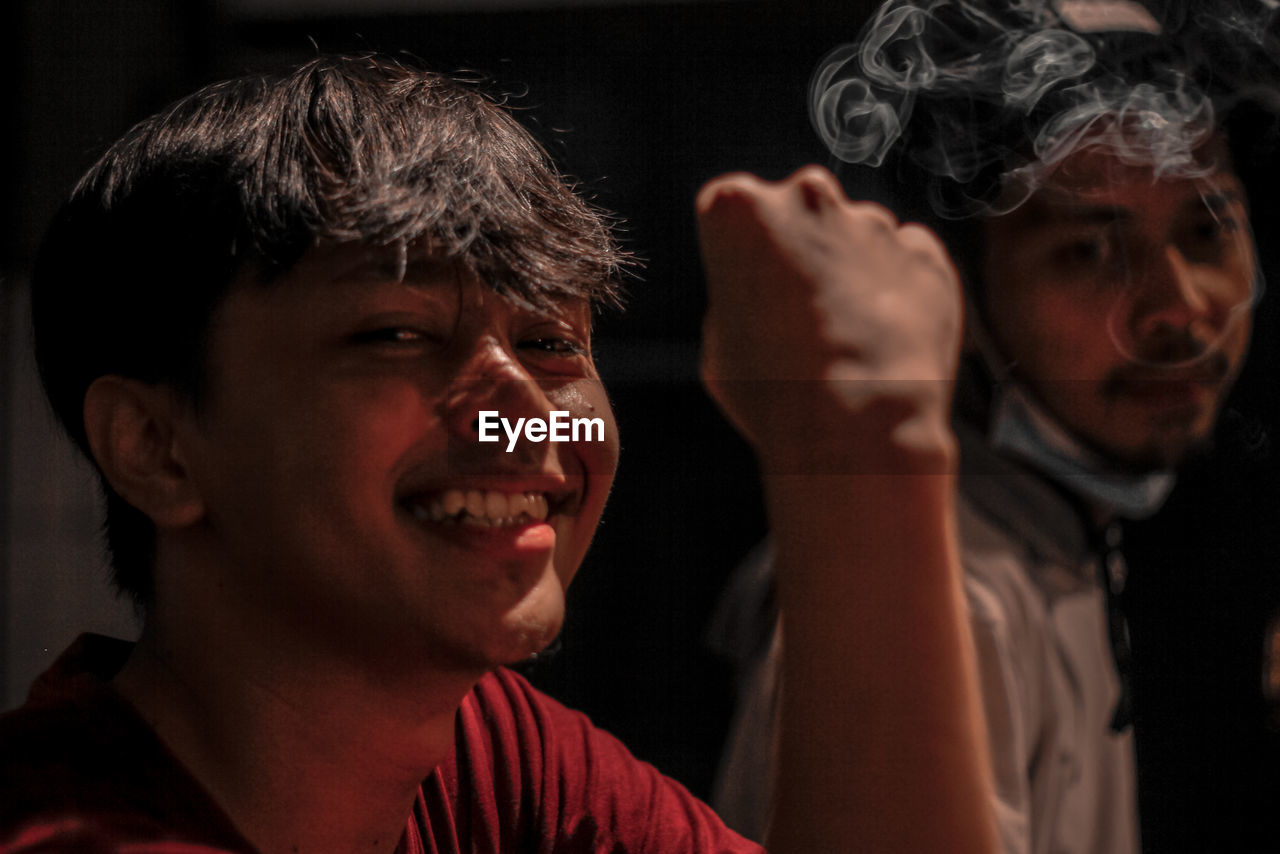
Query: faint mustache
{"x": 1177, "y": 346}
{"x": 1210, "y": 368}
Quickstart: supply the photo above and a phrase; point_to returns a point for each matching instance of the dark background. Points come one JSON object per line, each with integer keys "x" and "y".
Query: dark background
{"x": 642, "y": 104}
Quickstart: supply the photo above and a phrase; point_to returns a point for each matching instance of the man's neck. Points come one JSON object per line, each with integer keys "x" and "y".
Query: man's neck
{"x": 303, "y": 754}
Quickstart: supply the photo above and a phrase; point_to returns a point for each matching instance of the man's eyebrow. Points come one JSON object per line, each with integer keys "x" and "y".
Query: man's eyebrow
{"x": 1048, "y": 215}
{"x": 1091, "y": 214}
{"x": 1218, "y": 198}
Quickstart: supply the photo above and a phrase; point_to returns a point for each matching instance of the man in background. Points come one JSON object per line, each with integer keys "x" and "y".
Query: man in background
{"x": 1078, "y": 163}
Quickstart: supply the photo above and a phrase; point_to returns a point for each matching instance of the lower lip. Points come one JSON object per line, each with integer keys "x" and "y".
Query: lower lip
{"x": 1169, "y": 395}
{"x": 507, "y": 540}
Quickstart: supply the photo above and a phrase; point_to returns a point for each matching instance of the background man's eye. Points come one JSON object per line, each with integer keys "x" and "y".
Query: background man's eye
{"x": 1083, "y": 252}
{"x": 1213, "y": 240}
{"x": 1216, "y": 228}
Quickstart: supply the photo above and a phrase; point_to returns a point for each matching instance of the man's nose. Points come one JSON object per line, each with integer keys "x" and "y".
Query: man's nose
{"x": 494, "y": 380}
{"x": 1171, "y": 300}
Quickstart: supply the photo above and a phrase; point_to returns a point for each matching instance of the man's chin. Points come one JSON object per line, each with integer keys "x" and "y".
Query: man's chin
{"x": 529, "y": 632}
{"x": 529, "y": 662}
{"x": 1161, "y": 453}
{"x": 1141, "y": 441}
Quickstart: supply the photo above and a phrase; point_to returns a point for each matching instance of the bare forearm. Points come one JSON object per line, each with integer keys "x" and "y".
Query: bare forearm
{"x": 881, "y": 746}
{"x": 830, "y": 342}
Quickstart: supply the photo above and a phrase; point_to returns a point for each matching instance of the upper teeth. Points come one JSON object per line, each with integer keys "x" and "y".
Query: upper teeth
{"x": 483, "y": 507}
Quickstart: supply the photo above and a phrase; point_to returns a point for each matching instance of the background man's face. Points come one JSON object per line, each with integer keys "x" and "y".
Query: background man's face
{"x": 1124, "y": 302}
{"x": 339, "y": 421}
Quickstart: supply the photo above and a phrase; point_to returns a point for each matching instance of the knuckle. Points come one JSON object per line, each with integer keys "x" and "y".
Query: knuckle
{"x": 735, "y": 188}
{"x": 814, "y": 175}
{"x": 919, "y": 235}
{"x": 816, "y": 186}
{"x": 875, "y": 217}
{"x": 925, "y": 248}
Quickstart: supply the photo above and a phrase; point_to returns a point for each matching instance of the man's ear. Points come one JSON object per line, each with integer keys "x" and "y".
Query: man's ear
{"x": 131, "y": 430}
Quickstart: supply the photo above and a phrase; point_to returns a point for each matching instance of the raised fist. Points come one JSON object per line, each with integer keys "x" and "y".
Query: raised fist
{"x": 828, "y": 323}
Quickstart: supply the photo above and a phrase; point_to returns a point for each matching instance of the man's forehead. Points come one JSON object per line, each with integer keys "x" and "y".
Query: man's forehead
{"x": 361, "y": 268}
{"x": 1097, "y": 170}
{"x": 361, "y": 264}
{"x": 1094, "y": 185}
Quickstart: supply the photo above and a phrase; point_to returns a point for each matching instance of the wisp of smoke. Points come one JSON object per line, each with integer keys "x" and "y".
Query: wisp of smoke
{"x": 987, "y": 98}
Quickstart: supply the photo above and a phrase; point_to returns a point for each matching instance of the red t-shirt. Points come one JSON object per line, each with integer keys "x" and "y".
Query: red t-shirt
{"x": 81, "y": 771}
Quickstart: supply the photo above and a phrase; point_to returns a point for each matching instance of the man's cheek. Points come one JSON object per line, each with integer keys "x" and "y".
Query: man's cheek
{"x": 586, "y": 402}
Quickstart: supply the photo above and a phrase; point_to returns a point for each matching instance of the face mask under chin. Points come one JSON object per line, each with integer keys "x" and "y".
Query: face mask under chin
{"x": 1021, "y": 428}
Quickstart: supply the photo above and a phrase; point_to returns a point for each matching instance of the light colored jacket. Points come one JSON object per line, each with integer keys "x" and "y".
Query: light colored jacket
{"x": 1065, "y": 782}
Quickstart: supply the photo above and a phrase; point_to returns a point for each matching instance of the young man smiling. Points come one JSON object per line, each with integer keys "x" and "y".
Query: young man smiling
{"x": 271, "y": 316}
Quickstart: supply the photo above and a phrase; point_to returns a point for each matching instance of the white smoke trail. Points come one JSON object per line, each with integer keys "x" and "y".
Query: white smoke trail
{"x": 992, "y": 96}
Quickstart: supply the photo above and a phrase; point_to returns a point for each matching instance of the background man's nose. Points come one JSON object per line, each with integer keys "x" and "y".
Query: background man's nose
{"x": 1171, "y": 299}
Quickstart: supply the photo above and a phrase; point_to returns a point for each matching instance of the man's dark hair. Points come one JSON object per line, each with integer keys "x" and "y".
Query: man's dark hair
{"x": 244, "y": 177}
{"x": 966, "y": 107}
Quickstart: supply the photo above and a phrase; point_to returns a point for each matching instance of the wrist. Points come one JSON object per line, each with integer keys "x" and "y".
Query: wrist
{"x": 871, "y": 434}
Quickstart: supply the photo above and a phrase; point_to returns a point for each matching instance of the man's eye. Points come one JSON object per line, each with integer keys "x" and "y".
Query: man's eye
{"x": 1213, "y": 239}
{"x": 394, "y": 335}
{"x": 1216, "y": 228}
{"x": 1085, "y": 252}
{"x": 554, "y": 345}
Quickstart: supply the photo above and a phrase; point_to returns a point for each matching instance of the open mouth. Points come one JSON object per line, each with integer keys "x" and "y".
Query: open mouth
{"x": 483, "y": 508}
